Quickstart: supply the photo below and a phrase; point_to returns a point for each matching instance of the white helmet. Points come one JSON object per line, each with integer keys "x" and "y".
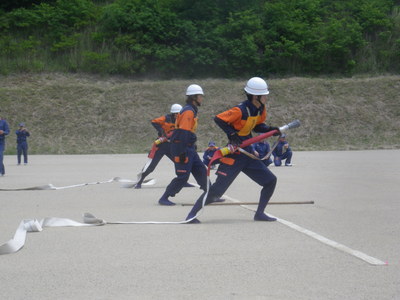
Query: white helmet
{"x": 194, "y": 89}
{"x": 175, "y": 108}
{"x": 256, "y": 86}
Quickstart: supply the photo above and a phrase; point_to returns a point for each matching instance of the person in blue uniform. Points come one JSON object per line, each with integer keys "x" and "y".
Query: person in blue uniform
{"x": 183, "y": 149}
{"x": 22, "y": 143}
{"x": 208, "y": 153}
{"x": 165, "y": 126}
{"x": 262, "y": 148}
{"x": 4, "y": 131}
{"x": 238, "y": 123}
{"x": 283, "y": 152}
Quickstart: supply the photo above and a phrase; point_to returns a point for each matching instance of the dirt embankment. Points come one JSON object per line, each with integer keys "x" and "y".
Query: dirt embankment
{"x": 70, "y": 114}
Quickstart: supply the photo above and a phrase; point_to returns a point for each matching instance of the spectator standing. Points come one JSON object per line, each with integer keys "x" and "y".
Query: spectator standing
{"x": 22, "y": 143}
{"x": 4, "y": 130}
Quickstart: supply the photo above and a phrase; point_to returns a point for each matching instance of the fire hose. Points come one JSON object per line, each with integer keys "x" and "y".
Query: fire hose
{"x": 18, "y": 241}
{"x": 229, "y": 149}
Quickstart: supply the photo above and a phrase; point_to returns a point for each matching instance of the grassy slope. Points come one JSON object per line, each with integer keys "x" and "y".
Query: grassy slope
{"x": 88, "y": 114}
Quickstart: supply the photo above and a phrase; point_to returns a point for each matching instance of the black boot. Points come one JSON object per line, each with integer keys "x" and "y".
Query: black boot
{"x": 263, "y": 217}
{"x": 165, "y": 201}
{"x": 142, "y": 177}
{"x": 266, "y": 194}
{"x": 195, "y": 209}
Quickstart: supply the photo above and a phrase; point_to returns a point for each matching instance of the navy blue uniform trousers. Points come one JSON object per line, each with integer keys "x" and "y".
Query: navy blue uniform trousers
{"x": 193, "y": 165}
{"x": 226, "y": 174}
{"x": 22, "y": 148}
{"x": 2, "y": 148}
{"x": 162, "y": 149}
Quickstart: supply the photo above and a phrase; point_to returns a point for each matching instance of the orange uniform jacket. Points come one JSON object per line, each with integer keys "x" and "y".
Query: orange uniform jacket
{"x": 164, "y": 124}
{"x": 186, "y": 125}
{"x": 242, "y": 120}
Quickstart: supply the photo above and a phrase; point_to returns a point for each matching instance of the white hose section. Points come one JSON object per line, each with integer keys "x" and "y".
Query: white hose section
{"x": 34, "y": 225}
{"x": 126, "y": 183}
{"x": 18, "y": 241}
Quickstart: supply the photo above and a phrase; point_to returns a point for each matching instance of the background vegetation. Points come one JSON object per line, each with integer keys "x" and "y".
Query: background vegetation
{"x": 200, "y": 38}
{"x": 71, "y": 114}
{"x": 87, "y": 76}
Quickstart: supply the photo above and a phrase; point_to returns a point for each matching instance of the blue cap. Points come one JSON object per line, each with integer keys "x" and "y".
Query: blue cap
{"x": 211, "y": 144}
{"x": 21, "y": 124}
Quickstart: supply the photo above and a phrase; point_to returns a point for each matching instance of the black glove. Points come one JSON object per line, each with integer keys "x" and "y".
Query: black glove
{"x": 182, "y": 158}
{"x": 160, "y": 133}
{"x": 274, "y": 128}
{"x": 234, "y": 139}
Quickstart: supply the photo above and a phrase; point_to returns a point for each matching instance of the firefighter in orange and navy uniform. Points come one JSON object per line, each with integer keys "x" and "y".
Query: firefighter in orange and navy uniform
{"x": 238, "y": 123}
{"x": 183, "y": 149}
{"x": 164, "y": 125}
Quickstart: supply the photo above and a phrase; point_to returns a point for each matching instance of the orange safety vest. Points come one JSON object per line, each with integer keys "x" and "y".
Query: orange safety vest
{"x": 243, "y": 125}
{"x": 187, "y": 121}
{"x": 165, "y": 122}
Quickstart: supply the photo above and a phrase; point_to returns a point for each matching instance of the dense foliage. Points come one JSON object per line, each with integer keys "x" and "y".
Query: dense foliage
{"x": 217, "y": 38}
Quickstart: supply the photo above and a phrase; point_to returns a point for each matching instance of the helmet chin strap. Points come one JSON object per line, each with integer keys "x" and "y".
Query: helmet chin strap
{"x": 259, "y": 100}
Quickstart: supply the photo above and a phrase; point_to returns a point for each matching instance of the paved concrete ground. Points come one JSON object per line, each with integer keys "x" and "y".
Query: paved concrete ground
{"x": 228, "y": 256}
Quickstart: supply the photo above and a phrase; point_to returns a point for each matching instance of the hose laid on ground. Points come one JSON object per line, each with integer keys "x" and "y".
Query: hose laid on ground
{"x": 152, "y": 152}
{"x": 18, "y": 241}
{"x": 126, "y": 183}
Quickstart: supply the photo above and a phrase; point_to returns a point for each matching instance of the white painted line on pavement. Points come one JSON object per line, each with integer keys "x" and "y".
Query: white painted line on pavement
{"x": 369, "y": 259}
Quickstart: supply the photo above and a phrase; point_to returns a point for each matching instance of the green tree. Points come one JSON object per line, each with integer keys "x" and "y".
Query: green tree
{"x": 239, "y": 41}
{"x": 9, "y": 5}
{"x": 182, "y": 38}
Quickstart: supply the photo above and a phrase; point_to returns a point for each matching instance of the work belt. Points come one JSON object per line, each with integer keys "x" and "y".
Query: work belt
{"x": 178, "y": 142}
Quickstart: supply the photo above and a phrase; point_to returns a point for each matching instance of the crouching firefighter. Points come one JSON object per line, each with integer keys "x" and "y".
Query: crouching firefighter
{"x": 238, "y": 123}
